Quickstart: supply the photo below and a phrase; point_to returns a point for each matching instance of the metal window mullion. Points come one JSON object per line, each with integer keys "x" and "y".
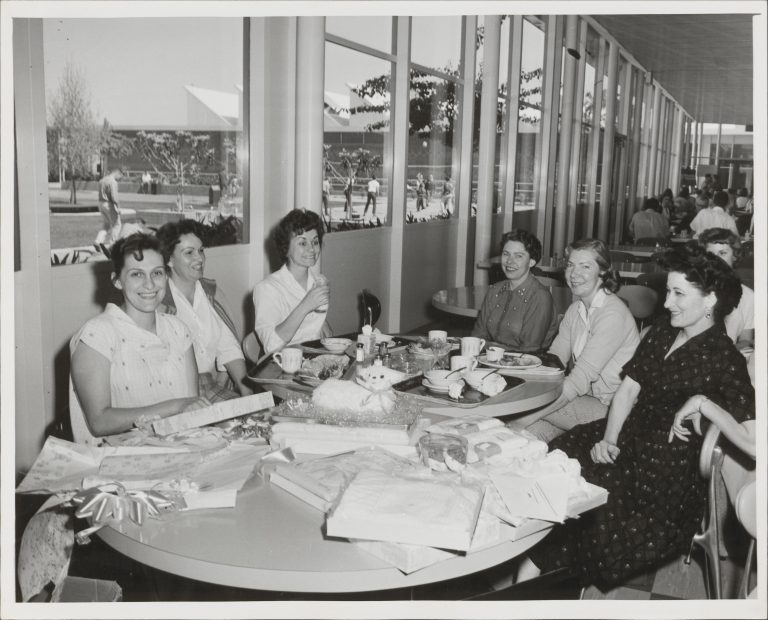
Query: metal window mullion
{"x": 487, "y": 143}
{"x": 513, "y": 115}
{"x": 608, "y": 146}
{"x": 677, "y": 154}
{"x": 437, "y": 73}
{"x": 576, "y": 130}
{"x": 464, "y": 139}
{"x": 400, "y": 97}
{"x": 621, "y": 184}
{"x": 550, "y": 99}
{"x": 359, "y": 47}
{"x": 594, "y": 139}
{"x": 654, "y": 144}
{"x": 634, "y": 163}
{"x": 564, "y": 152}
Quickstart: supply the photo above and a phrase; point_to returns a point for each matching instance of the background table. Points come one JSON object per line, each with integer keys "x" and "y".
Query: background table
{"x": 273, "y": 541}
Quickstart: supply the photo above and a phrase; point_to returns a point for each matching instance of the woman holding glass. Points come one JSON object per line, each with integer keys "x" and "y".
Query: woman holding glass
{"x": 655, "y": 493}
{"x": 132, "y": 363}
{"x": 596, "y": 337}
{"x": 291, "y": 304}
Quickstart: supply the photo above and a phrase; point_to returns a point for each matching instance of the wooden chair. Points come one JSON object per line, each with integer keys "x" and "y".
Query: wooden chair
{"x": 641, "y": 301}
{"x": 563, "y": 297}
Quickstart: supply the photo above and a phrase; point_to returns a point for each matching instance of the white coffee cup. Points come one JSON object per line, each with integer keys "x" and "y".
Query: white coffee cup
{"x": 494, "y": 354}
{"x": 437, "y": 334}
{"x": 472, "y": 346}
{"x": 289, "y": 360}
{"x": 460, "y": 362}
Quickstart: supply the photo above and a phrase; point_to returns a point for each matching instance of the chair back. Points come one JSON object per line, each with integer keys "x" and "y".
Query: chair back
{"x": 370, "y": 308}
{"x": 251, "y": 347}
{"x": 550, "y": 282}
{"x": 563, "y": 297}
{"x": 641, "y": 300}
{"x": 711, "y": 453}
{"x": 653, "y": 242}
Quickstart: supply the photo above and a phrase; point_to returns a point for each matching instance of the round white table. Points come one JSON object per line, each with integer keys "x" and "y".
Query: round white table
{"x": 273, "y": 541}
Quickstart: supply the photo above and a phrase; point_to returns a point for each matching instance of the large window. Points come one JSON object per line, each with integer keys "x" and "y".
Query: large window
{"x": 529, "y": 118}
{"x": 434, "y": 117}
{"x": 160, "y": 99}
{"x": 356, "y": 125}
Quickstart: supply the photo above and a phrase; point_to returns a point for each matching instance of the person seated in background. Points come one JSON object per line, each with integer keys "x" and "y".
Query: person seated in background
{"x": 743, "y": 203}
{"x": 655, "y": 493}
{"x": 291, "y": 304}
{"x": 714, "y": 216}
{"x": 519, "y": 312}
{"x": 649, "y": 222}
{"x": 665, "y": 200}
{"x": 739, "y": 324}
{"x": 597, "y": 336}
{"x": 202, "y": 307}
{"x": 683, "y": 214}
{"x": 131, "y": 364}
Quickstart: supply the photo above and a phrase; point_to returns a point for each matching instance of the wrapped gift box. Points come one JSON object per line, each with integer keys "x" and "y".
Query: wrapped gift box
{"x": 215, "y": 413}
{"x": 436, "y": 512}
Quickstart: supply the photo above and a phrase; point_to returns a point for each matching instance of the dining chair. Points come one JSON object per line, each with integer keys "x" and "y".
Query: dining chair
{"x": 641, "y": 301}
{"x": 370, "y": 307}
{"x": 710, "y": 462}
{"x": 652, "y": 242}
{"x": 251, "y": 347}
{"x": 549, "y": 281}
{"x": 563, "y": 297}
{"x": 746, "y": 512}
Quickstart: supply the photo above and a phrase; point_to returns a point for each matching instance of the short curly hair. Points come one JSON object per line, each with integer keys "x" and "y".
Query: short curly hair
{"x": 720, "y": 235}
{"x": 170, "y": 234}
{"x": 531, "y": 244}
{"x": 706, "y": 272}
{"x": 609, "y": 277}
{"x": 297, "y": 222}
{"x": 134, "y": 245}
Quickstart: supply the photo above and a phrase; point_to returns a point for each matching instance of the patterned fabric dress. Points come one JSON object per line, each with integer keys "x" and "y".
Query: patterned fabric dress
{"x": 656, "y": 495}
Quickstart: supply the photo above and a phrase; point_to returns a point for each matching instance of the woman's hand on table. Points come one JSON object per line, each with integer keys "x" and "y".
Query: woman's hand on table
{"x": 604, "y": 452}
{"x": 691, "y": 410}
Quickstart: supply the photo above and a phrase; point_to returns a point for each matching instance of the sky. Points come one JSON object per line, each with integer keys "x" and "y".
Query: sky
{"x": 136, "y": 68}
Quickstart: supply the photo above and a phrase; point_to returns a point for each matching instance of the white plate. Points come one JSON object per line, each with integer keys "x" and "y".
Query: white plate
{"x": 434, "y": 388}
{"x": 526, "y": 362}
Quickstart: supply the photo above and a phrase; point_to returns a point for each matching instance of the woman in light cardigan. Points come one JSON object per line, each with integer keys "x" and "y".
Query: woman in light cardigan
{"x": 597, "y": 336}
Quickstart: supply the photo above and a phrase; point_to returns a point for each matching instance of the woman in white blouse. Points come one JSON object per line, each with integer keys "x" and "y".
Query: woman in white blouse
{"x": 291, "y": 304}
{"x": 201, "y": 305}
{"x": 132, "y": 364}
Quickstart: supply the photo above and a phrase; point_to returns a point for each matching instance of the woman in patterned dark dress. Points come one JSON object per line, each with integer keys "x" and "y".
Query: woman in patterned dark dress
{"x": 655, "y": 493}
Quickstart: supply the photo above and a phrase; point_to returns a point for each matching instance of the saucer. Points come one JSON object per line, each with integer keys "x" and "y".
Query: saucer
{"x": 434, "y": 388}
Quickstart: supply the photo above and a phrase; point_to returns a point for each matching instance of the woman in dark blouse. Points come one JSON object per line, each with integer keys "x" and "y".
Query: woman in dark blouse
{"x": 655, "y": 493}
{"x": 518, "y": 313}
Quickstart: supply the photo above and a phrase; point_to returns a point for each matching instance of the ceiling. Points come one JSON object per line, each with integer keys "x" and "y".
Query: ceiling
{"x": 703, "y": 61}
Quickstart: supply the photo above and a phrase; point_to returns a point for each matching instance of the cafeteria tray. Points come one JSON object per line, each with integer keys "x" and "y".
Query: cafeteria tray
{"x": 470, "y": 397}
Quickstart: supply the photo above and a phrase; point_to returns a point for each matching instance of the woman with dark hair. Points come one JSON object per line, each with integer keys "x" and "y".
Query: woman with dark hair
{"x": 597, "y": 336}
{"x": 131, "y": 364}
{"x": 649, "y": 222}
{"x": 739, "y": 324}
{"x": 655, "y": 492}
{"x": 291, "y": 304}
{"x": 201, "y": 306}
{"x": 519, "y": 312}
